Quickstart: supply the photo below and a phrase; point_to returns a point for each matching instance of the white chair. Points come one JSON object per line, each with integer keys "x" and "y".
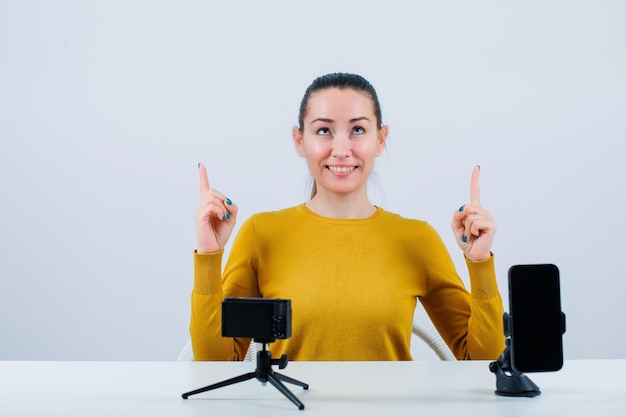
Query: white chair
{"x": 422, "y": 328}
{"x": 186, "y": 354}
{"x": 425, "y": 330}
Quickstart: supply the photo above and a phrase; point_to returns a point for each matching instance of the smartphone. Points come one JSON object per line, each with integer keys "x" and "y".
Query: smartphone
{"x": 537, "y": 322}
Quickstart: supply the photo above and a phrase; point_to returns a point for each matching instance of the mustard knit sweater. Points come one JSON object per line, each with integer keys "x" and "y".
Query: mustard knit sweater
{"x": 353, "y": 285}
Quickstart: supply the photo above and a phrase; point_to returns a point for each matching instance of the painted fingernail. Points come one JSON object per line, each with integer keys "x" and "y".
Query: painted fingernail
{"x": 223, "y": 218}
{"x": 478, "y": 166}
{"x": 228, "y": 201}
{"x": 228, "y": 214}
{"x": 462, "y": 207}
{"x": 198, "y": 165}
{"x": 464, "y": 238}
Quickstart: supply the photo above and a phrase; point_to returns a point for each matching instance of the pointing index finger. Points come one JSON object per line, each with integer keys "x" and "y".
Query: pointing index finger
{"x": 474, "y": 188}
{"x": 204, "y": 180}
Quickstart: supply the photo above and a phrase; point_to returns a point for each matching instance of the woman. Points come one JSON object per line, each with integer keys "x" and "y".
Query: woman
{"x": 352, "y": 270}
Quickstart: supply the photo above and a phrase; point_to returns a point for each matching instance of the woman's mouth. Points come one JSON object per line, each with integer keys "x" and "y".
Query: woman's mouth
{"x": 341, "y": 170}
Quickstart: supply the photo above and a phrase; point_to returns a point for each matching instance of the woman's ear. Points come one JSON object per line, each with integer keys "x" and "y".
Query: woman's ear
{"x": 298, "y": 141}
{"x": 382, "y": 139}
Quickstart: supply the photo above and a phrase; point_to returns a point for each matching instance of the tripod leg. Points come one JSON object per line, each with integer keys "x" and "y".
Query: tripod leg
{"x": 224, "y": 383}
{"x": 285, "y": 378}
{"x": 280, "y": 387}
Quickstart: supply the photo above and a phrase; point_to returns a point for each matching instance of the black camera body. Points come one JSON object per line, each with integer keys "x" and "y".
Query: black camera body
{"x": 262, "y": 319}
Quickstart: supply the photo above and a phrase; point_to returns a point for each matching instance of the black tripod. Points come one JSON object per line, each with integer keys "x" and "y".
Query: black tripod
{"x": 263, "y": 373}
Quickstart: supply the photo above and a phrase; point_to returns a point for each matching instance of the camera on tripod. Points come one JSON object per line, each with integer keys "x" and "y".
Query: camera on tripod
{"x": 261, "y": 319}
{"x": 264, "y": 320}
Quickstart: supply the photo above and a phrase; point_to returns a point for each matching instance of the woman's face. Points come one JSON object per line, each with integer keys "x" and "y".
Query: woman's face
{"x": 340, "y": 140}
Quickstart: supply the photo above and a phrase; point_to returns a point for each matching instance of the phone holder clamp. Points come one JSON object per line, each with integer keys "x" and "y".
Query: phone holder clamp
{"x": 511, "y": 383}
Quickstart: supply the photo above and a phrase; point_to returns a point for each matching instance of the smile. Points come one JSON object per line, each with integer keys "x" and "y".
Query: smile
{"x": 341, "y": 170}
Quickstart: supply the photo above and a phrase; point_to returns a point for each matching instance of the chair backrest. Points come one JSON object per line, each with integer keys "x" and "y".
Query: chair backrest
{"x": 425, "y": 330}
{"x": 186, "y": 354}
{"x": 422, "y": 328}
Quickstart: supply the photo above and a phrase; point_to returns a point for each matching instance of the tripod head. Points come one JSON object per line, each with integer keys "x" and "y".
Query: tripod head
{"x": 264, "y": 359}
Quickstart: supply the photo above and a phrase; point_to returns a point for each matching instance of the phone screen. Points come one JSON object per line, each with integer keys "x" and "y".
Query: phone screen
{"x": 537, "y": 323}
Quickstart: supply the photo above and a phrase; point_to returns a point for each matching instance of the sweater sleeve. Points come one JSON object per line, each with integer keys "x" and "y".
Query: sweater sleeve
{"x": 206, "y": 315}
{"x": 485, "y": 338}
{"x": 469, "y": 322}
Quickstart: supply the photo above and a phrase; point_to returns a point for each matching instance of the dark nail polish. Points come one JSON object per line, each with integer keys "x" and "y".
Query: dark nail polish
{"x": 461, "y": 208}
{"x": 228, "y": 214}
{"x": 229, "y": 202}
{"x": 198, "y": 165}
{"x": 464, "y": 238}
{"x": 223, "y": 218}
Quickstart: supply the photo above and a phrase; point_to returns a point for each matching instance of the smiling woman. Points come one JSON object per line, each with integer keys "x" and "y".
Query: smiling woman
{"x": 340, "y": 139}
{"x": 346, "y": 96}
{"x": 352, "y": 270}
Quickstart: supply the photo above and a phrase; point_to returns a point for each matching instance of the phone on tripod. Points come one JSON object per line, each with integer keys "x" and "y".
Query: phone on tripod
{"x": 536, "y": 320}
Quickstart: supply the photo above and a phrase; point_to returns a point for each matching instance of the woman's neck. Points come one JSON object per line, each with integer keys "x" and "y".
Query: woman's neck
{"x": 341, "y": 208}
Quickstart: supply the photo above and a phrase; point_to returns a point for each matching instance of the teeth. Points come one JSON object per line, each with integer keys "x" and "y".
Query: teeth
{"x": 341, "y": 169}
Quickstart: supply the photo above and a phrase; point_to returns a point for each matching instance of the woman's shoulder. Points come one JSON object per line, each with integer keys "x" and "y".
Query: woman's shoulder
{"x": 276, "y": 218}
{"x": 392, "y": 217}
{"x": 281, "y": 214}
{"x": 407, "y": 229}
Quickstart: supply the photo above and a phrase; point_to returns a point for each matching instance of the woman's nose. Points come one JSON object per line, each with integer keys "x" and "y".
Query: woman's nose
{"x": 341, "y": 146}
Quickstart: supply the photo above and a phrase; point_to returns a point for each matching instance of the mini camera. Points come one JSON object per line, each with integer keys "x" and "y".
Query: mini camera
{"x": 261, "y": 319}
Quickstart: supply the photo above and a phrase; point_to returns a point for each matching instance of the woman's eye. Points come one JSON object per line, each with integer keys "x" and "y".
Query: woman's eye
{"x": 358, "y": 130}
{"x": 324, "y": 131}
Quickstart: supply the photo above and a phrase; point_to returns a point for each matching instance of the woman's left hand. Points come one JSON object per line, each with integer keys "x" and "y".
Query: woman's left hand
{"x": 474, "y": 228}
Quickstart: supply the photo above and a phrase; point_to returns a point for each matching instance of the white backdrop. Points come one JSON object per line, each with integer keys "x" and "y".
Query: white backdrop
{"x": 107, "y": 107}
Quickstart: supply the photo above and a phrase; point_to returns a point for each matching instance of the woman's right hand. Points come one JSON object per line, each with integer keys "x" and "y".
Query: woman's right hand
{"x": 215, "y": 217}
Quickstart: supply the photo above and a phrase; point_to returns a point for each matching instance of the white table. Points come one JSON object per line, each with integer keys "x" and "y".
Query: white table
{"x": 590, "y": 388}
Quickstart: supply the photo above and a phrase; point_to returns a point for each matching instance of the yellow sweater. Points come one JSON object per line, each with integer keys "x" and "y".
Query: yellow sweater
{"x": 353, "y": 285}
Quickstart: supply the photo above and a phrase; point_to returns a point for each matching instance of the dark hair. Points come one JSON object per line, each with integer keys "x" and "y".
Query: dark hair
{"x": 341, "y": 81}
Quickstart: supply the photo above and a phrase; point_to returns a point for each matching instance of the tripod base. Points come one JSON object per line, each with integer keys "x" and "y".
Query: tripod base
{"x": 263, "y": 373}
{"x": 511, "y": 383}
